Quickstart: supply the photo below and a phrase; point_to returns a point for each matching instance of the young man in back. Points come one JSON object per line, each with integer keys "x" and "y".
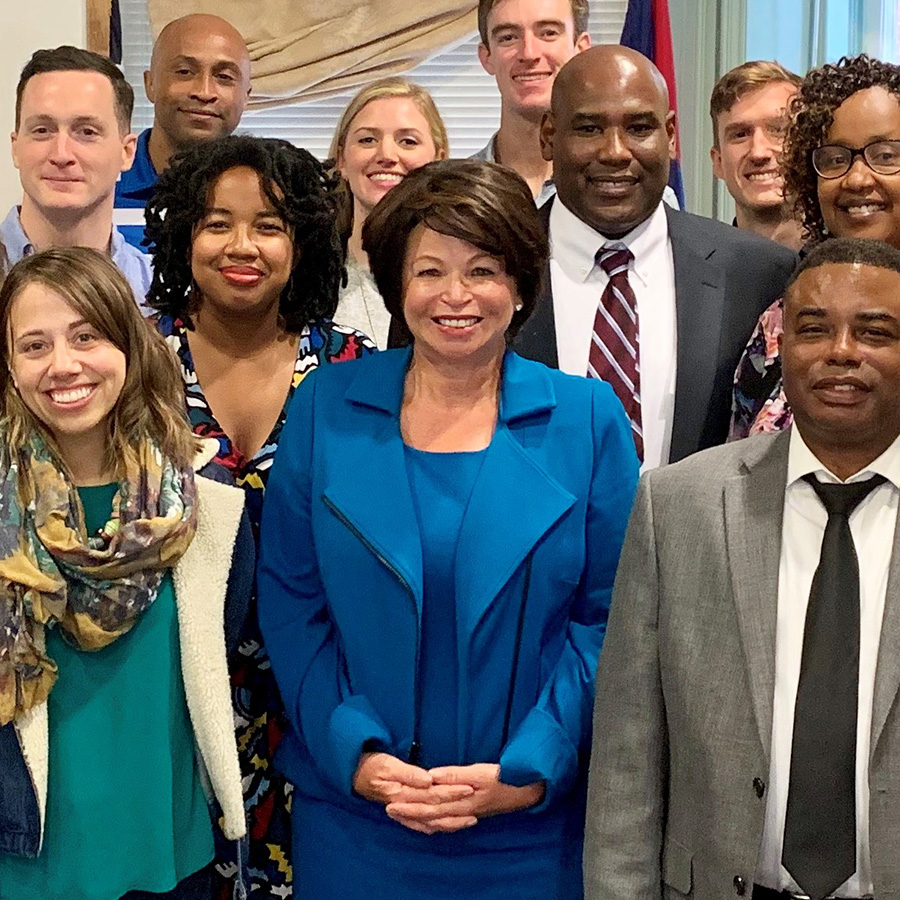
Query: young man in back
{"x": 524, "y": 43}
{"x": 749, "y": 110}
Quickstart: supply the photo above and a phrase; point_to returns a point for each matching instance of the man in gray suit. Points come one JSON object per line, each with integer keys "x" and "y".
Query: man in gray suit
{"x": 747, "y": 729}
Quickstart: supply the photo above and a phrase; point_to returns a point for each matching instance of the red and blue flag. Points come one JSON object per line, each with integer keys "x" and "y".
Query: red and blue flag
{"x": 647, "y": 29}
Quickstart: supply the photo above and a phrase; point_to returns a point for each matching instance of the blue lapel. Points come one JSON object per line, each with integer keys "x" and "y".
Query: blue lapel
{"x": 372, "y": 492}
{"x": 515, "y": 501}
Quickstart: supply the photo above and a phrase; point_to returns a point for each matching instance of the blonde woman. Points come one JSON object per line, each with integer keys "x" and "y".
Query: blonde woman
{"x": 390, "y": 128}
{"x": 125, "y": 567}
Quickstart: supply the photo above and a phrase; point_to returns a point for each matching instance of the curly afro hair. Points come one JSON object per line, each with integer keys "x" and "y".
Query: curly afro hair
{"x": 300, "y": 190}
{"x": 821, "y": 92}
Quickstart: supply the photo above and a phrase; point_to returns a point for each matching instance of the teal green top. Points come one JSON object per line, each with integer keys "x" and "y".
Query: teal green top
{"x": 125, "y": 805}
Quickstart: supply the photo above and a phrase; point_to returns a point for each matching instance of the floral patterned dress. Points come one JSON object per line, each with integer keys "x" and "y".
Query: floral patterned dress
{"x": 259, "y": 719}
{"x": 759, "y": 405}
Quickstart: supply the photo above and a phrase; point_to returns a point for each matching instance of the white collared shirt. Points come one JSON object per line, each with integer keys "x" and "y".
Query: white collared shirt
{"x": 578, "y": 283}
{"x": 872, "y": 525}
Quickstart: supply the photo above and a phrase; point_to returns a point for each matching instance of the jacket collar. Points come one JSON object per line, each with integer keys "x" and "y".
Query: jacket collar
{"x": 525, "y": 390}
{"x": 754, "y": 510}
{"x": 513, "y": 494}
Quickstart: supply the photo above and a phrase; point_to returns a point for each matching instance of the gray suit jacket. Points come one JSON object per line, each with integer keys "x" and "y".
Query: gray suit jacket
{"x": 683, "y": 715}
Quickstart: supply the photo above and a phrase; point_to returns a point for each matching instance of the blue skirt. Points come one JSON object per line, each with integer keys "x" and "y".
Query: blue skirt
{"x": 344, "y": 855}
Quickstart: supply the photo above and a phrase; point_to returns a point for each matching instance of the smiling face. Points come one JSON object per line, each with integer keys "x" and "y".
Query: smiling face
{"x": 862, "y": 203}
{"x": 68, "y": 147}
{"x": 198, "y": 81}
{"x": 458, "y": 300}
{"x": 841, "y": 360}
{"x": 242, "y": 253}
{"x": 611, "y": 137}
{"x": 749, "y": 140}
{"x": 66, "y": 372}
{"x": 386, "y": 139}
{"x": 529, "y": 41}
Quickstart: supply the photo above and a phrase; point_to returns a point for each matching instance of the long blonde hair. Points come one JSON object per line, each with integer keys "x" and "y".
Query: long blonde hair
{"x": 151, "y": 404}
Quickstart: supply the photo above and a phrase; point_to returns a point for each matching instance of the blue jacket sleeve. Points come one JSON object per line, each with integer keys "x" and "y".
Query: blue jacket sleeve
{"x": 546, "y": 745}
{"x": 300, "y": 637}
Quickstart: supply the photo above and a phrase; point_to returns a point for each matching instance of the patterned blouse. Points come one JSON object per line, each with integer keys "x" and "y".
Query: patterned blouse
{"x": 259, "y": 719}
{"x": 759, "y": 403}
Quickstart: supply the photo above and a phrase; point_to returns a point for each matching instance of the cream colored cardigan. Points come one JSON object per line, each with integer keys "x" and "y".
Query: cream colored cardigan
{"x": 200, "y": 579}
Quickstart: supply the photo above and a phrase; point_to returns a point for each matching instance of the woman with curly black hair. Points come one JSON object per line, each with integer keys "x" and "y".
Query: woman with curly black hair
{"x": 247, "y": 267}
{"x": 842, "y": 171}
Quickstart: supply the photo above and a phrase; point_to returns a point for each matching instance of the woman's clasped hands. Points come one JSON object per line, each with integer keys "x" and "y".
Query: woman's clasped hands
{"x": 444, "y": 799}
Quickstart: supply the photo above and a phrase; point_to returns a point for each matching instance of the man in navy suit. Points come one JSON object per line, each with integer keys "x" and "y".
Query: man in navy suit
{"x": 698, "y": 285}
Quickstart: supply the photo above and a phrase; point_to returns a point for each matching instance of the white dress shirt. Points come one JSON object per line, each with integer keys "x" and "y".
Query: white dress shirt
{"x": 872, "y": 525}
{"x": 578, "y": 282}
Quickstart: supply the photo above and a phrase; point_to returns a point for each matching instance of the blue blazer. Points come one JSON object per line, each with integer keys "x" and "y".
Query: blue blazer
{"x": 340, "y": 576}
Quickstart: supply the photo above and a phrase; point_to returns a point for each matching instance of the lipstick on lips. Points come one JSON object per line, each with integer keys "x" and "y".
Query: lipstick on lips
{"x": 242, "y": 276}
{"x": 457, "y": 325}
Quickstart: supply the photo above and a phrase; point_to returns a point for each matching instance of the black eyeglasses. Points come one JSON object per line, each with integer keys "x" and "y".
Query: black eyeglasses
{"x": 834, "y": 160}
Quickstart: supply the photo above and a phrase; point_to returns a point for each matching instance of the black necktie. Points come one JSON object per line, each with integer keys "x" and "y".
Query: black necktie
{"x": 820, "y": 823}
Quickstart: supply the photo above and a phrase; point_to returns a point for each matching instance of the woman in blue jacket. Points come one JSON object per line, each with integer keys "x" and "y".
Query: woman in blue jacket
{"x": 439, "y": 542}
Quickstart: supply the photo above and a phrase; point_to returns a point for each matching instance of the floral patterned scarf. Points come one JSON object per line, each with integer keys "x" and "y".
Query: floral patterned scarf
{"x": 53, "y": 573}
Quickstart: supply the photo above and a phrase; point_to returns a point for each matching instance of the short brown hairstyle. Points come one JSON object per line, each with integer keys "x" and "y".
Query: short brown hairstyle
{"x": 580, "y": 14}
{"x": 743, "y": 80}
{"x": 151, "y": 404}
{"x": 73, "y": 59}
{"x": 484, "y": 204}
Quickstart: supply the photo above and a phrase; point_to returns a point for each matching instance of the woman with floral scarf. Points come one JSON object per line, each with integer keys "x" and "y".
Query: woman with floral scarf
{"x": 124, "y": 570}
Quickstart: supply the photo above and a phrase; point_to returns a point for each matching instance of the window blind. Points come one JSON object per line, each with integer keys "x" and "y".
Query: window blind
{"x": 465, "y": 94}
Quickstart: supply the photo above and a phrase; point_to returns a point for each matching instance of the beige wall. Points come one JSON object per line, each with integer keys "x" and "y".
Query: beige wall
{"x": 25, "y": 26}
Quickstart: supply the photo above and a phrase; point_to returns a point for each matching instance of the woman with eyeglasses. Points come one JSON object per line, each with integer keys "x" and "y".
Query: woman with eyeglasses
{"x": 842, "y": 169}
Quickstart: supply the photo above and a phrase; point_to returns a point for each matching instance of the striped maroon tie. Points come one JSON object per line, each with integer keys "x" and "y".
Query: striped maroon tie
{"x": 615, "y": 355}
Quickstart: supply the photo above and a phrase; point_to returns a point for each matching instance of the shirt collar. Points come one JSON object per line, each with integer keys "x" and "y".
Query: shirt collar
{"x": 802, "y": 461}
{"x": 117, "y": 244}
{"x": 490, "y": 152}
{"x": 575, "y": 243}
{"x": 548, "y": 188}
{"x": 18, "y": 246}
{"x": 140, "y": 180}
{"x": 14, "y": 238}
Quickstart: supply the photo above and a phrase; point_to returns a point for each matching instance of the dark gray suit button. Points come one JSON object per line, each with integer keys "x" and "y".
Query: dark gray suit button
{"x": 759, "y": 786}
{"x": 740, "y": 886}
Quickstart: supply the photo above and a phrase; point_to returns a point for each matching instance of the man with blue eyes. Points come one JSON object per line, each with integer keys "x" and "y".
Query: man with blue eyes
{"x": 198, "y": 83}
{"x": 524, "y": 43}
{"x": 655, "y": 301}
{"x": 749, "y": 111}
{"x": 71, "y": 142}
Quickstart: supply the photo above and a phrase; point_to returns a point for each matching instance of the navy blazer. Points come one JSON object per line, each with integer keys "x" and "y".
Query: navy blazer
{"x": 724, "y": 279}
{"x": 340, "y": 577}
